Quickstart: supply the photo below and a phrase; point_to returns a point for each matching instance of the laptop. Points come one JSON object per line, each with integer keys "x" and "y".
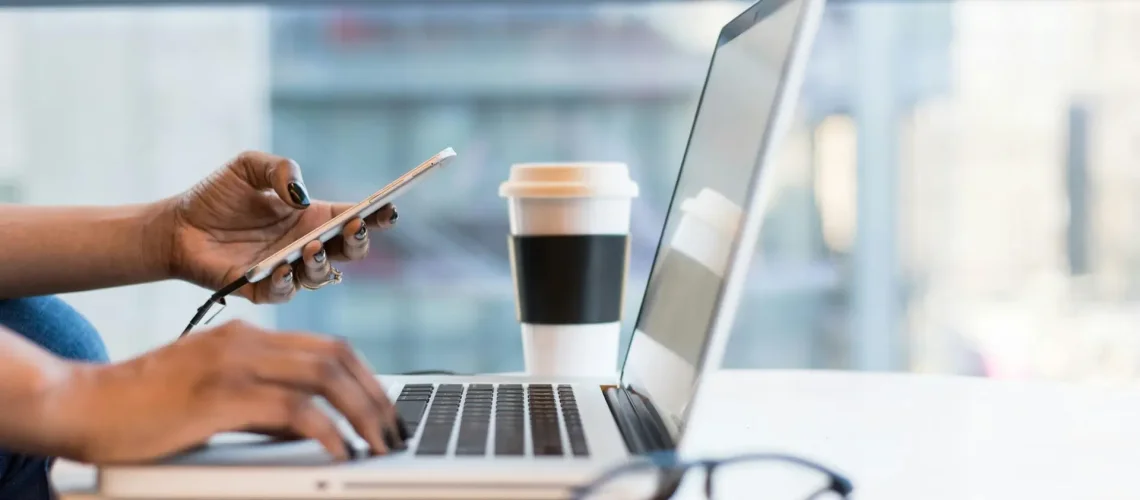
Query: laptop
{"x": 527, "y": 437}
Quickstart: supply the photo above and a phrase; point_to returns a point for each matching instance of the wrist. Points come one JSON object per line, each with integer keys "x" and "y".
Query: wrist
{"x": 159, "y": 227}
{"x": 60, "y": 410}
{"x": 81, "y": 412}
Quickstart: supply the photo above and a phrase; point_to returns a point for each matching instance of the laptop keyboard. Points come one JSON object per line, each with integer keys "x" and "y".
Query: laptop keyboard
{"x": 490, "y": 419}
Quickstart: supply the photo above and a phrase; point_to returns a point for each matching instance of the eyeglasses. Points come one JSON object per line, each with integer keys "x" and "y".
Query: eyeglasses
{"x": 767, "y": 475}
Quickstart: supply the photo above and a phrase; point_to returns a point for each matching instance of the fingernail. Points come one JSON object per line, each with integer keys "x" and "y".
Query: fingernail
{"x": 395, "y": 215}
{"x": 319, "y": 257}
{"x": 349, "y": 449}
{"x": 392, "y": 440}
{"x": 299, "y": 194}
{"x": 362, "y": 232}
{"x": 288, "y": 277}
{"x": 402, "y": 427}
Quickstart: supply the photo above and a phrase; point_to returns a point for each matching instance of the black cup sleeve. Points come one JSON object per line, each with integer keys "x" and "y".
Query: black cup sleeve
{"x": 569, "y": 279}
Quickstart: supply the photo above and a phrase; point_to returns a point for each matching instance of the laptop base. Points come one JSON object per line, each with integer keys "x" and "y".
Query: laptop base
{"x": 248, "y": 467}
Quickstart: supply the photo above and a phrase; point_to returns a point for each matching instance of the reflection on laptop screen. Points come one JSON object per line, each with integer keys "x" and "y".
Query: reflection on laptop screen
{"x": 703, "y": 220}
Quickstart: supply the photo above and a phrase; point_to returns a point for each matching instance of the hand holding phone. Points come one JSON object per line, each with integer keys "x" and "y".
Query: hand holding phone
{"x": 334, "y": 226}
{"x": 327, "y": 231}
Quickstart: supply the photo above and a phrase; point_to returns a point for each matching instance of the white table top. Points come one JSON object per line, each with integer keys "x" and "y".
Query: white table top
{"x": 910, "y": 436}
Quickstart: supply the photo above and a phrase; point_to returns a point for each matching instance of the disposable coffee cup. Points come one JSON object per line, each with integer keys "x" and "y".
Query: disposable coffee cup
{"x": 569, "y": 252}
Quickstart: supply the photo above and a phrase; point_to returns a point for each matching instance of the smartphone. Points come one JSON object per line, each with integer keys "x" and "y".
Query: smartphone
{"x": 334, "y": 226}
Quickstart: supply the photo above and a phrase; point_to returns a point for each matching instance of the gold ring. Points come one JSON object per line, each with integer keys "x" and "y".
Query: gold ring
{"x": 333, "y": 277}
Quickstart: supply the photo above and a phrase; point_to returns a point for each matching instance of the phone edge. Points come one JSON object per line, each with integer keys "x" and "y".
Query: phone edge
{"x": 326, "y": 232}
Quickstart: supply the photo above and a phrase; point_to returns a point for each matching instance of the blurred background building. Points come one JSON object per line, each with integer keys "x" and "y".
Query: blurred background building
{"x": 960, "y": 193}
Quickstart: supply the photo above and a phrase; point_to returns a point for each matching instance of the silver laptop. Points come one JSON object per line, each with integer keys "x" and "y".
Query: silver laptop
{"x": 526, "y": 437}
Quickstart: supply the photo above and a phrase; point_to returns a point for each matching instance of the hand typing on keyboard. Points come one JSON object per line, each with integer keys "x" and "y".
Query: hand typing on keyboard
{"x": 234, "y": 377}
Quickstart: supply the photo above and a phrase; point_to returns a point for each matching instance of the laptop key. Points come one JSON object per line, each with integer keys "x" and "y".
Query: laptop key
{"x": 435, "y": 439}
{"x": 574, "y": 431}
{"x": 411, "y": 411}
{"x": 548, "y": 448}
{"x": 577, "y": 440}
{"x": 512, "y": 448}
{"x": 578, "y": 448}
{"x": 546, "y": 439}
{"x": 474, "y": 444}
{"x": 476, "y": 422}
{"x": 431, "y": 449}
{"x": 509, "y": 437}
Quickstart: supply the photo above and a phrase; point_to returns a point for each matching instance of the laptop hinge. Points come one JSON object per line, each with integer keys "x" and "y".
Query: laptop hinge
{"x": 638, "y": 421}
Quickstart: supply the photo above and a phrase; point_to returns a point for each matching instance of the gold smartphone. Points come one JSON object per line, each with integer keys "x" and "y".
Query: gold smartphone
{"x": 334, "y": 226}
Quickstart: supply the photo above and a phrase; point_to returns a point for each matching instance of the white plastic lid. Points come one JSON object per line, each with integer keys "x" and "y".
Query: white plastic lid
{"x": 569, "y": 180}
{"x": 714, "y": 209}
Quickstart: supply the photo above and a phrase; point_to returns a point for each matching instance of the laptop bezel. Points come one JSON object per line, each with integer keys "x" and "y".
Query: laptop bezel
{"x": 756, "y": 200}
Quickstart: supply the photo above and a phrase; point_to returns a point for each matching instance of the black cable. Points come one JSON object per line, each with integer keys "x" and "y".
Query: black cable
{"x": 218, "y": 297}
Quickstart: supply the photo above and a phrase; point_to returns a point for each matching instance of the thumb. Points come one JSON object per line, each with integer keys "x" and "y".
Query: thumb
{"x": 282, "y": 175}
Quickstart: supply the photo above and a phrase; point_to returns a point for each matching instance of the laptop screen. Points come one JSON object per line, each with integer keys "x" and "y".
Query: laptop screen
{"x": 703, "y": 222}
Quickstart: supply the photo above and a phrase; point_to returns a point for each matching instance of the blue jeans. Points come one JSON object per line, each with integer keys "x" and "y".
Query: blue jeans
{"x": 57, "y": 327}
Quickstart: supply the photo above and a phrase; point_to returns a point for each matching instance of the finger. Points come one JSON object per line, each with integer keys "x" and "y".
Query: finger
{"x": 274, "y": 434}
{"x": 317, "y": 368}
{"x": 355, "y": 240}
{"x": 382, "y": 218}
{"x": 289, "y": 341}
{"x": 286, "y": 413}
{"x": 355, "y": 365}
{"x": 385, "y": 217}
{"x": 394, "y": 426}
{"x": 278, "y": 288}
{"x": 316, "y": 266}
{"x": 267, "y": 171}
{"x": 309, "y": 421}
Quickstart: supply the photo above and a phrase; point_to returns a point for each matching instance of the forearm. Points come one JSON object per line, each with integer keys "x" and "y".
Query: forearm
{"x": 49, "y": 250}
{"x": 30, "y": 378}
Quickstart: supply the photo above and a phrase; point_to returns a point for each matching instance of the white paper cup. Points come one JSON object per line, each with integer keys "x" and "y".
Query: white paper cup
{"x": 569, "y": 247}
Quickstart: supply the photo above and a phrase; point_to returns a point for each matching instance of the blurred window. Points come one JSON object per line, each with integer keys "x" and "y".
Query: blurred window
{"x": 959, "y": 192}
